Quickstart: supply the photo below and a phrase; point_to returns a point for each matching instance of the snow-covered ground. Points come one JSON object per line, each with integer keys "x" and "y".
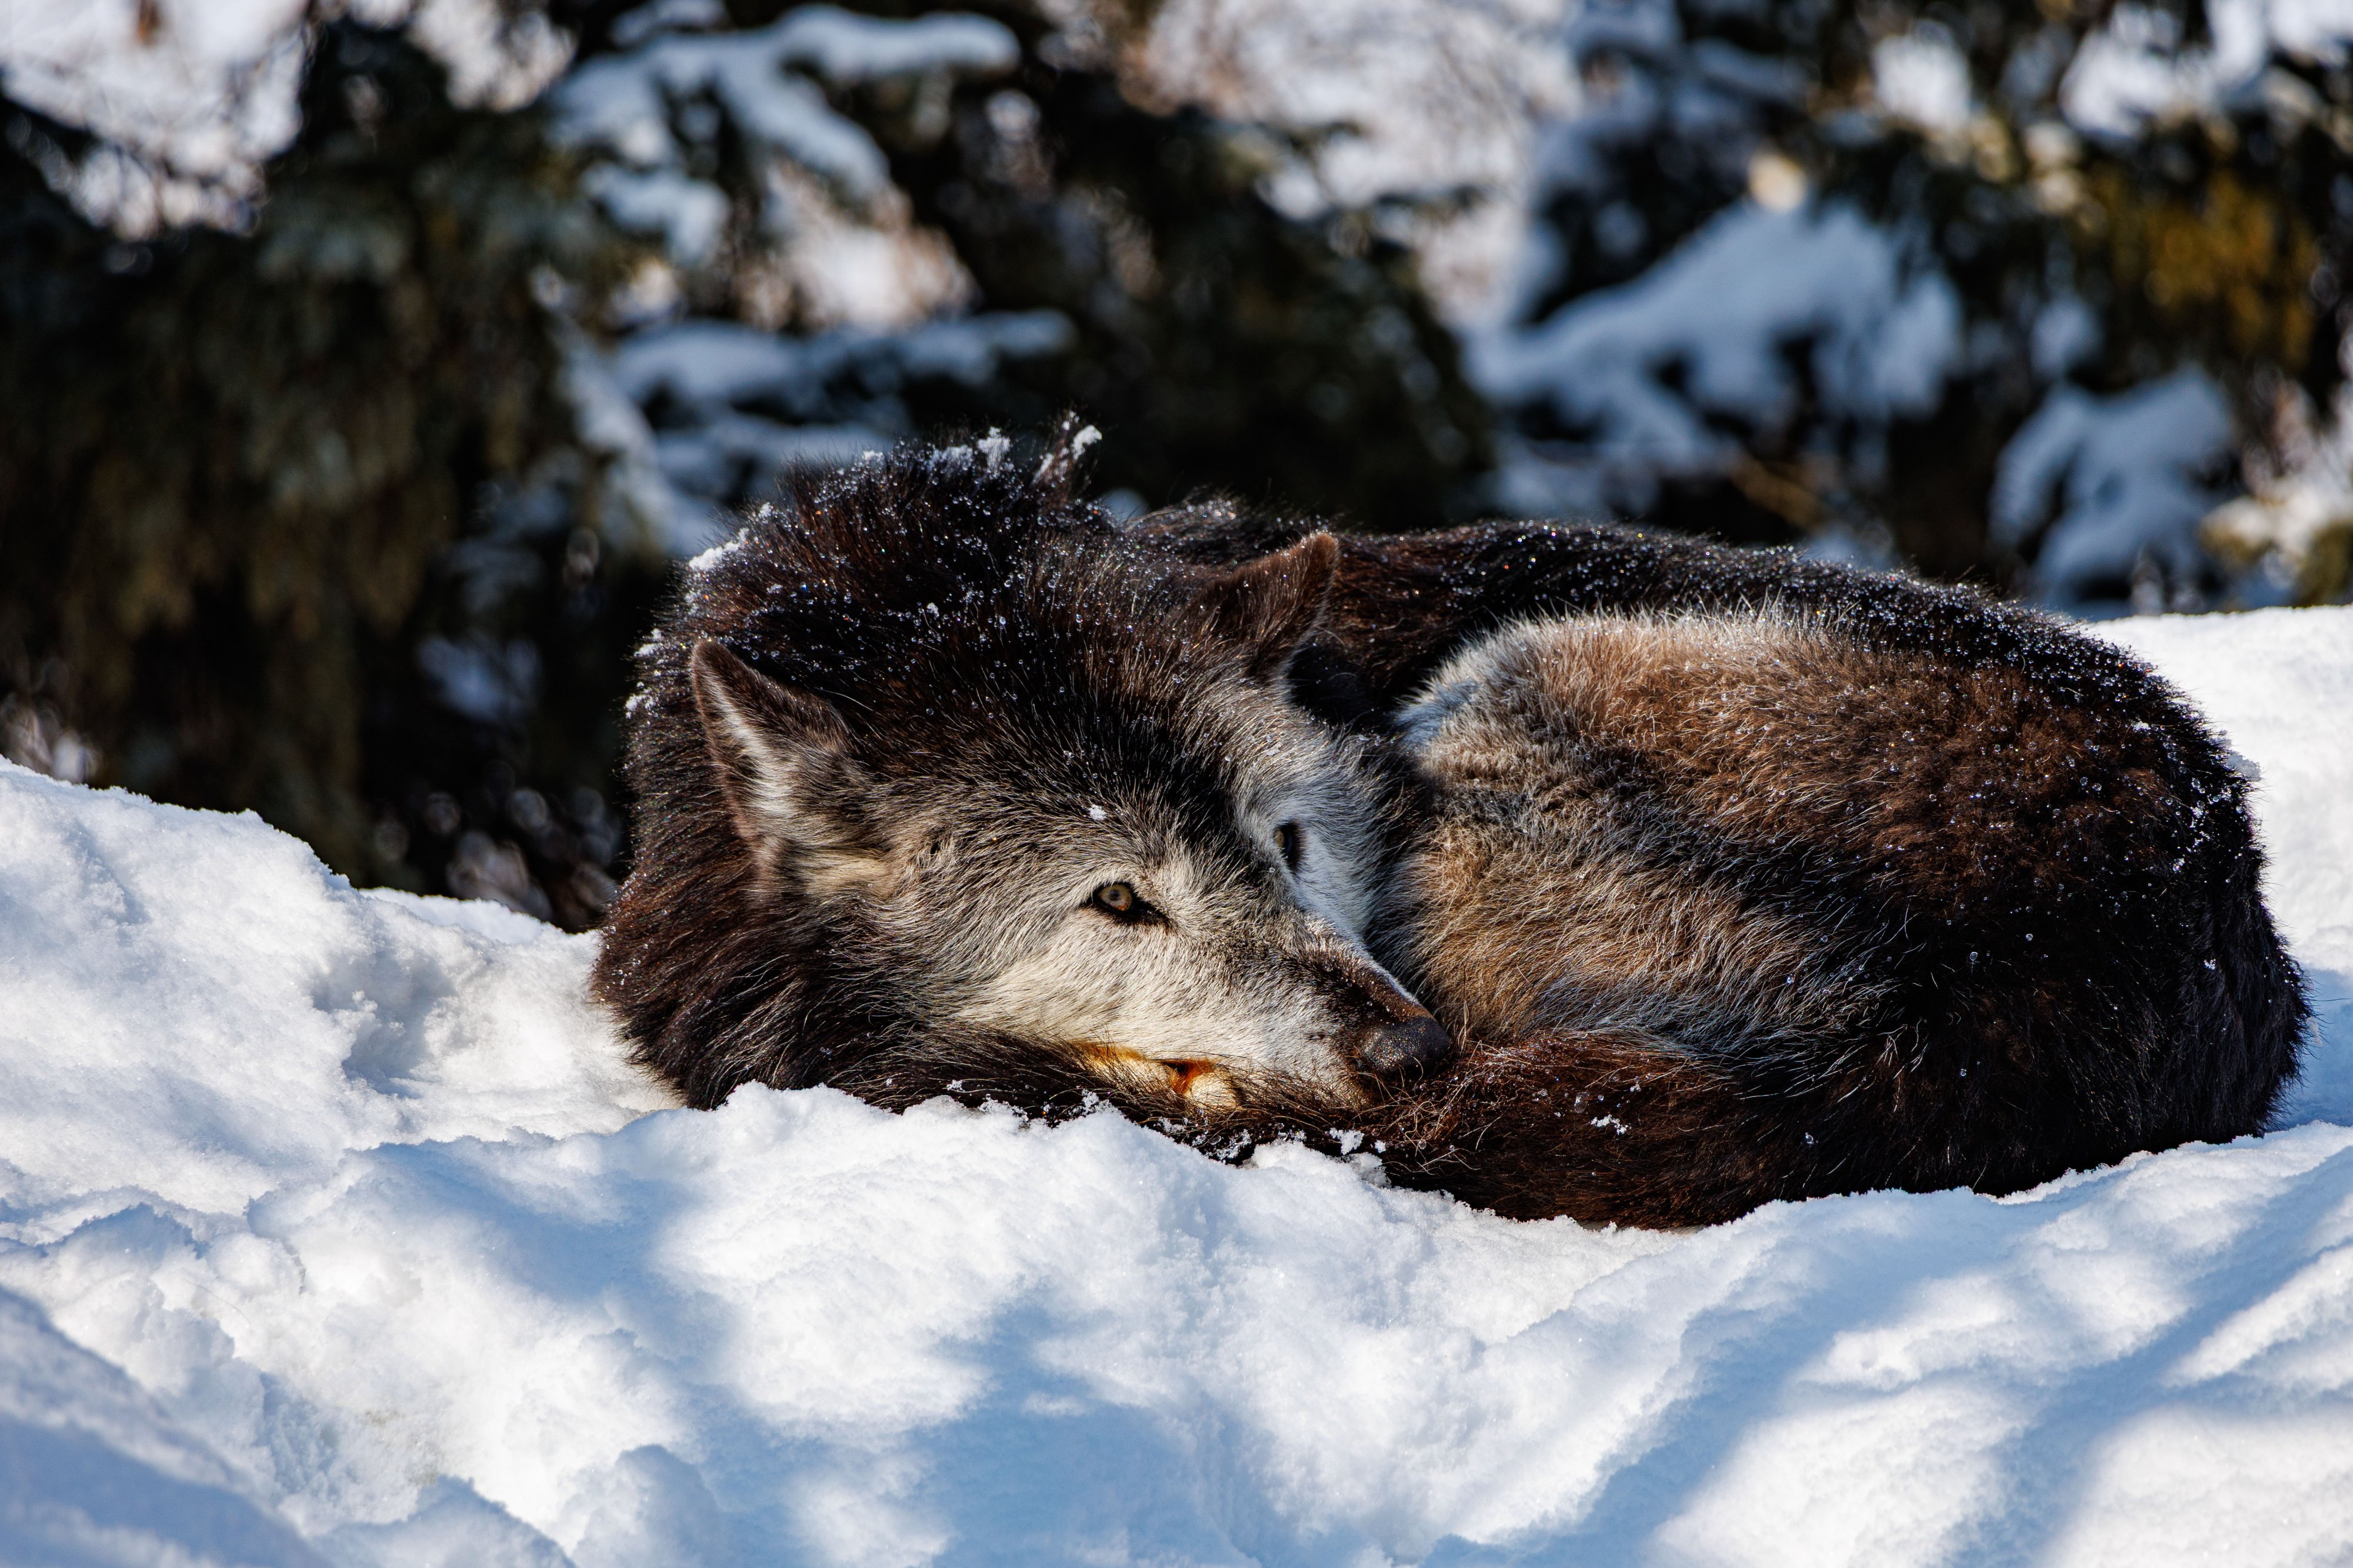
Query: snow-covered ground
{"x": 332, "y": 1228}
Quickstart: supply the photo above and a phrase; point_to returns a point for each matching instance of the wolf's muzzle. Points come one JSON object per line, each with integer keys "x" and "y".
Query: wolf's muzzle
{"x": 1400, "y": 1045}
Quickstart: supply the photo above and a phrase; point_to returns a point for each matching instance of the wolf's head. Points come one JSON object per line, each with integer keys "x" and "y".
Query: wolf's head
{"x": 982, "y": 787}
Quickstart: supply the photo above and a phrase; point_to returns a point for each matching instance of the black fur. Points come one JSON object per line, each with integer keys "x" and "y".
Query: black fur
{"x": 986, "y": 646}
{"x": 930, "y": 600}
{"x": 2082, "y": 921}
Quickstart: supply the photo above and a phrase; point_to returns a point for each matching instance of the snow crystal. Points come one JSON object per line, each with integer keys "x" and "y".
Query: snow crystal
{"x": 712, "y": 557}
{"x": 335, "y": 1228}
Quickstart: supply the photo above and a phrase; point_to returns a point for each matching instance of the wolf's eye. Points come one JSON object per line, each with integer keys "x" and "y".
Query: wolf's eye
{"x": 1120, "y": 901}
{"x": 1288, "y": 842}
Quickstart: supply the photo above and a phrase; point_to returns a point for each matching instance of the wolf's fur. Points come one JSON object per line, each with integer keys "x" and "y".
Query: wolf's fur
{"x": 1909, "y": 779}
{"x": 895, "y": 740}
{"x": 1739, "y": 877}
{"x": 1755, "y": 909}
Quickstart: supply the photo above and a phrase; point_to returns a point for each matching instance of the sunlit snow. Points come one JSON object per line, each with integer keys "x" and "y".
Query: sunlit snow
{"x": 333, "y": 1228}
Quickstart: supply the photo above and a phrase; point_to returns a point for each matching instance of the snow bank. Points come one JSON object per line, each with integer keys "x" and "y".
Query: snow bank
{"x": 331, "y": 1229}
{"x": 2279, "y": 684}
{"x": 196, "y": 1013}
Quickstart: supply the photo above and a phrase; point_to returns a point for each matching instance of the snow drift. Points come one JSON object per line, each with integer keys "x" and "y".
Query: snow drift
{"x": 333, "y": 1229}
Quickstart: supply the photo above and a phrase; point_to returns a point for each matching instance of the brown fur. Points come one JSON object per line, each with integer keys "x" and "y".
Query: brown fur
{"x": 1754, "y": 879}
{"x": 2009, "y": 880}
{"x": 1732, "y": 907}
{"x": 891, "y": 745}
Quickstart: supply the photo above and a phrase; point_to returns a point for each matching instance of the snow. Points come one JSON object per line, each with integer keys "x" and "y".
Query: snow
{"x": 1920, "y": 77}
{"x": 208, "y": 95}
{"x": 2296, "y": 527}
{"x": 2279, "y": 681}
{"x": 768, "y": 80}
{"x": 189, "y": 97}
{"x": 1644, "y": 375}
{"x": 499, "y": 56}
{"x": 622, "y": 102}
{"x": 76, "y": 1433}
{"x": 689, "y": 214}
{"x": 1413, "y": 98}
{"x": 214, "y": 980}
{"x": 639, "y": 502}
{"x": 717, "y": 363}
{"x": 2132, "y": 70}
{"x": 2113, "y": 485}
{"x": 333, "y": 1228}
{"x": 489, "y": 683}
{"x": 710, "y": 378}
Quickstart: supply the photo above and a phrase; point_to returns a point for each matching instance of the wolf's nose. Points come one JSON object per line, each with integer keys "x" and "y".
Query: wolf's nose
{"x": 1415, "y": 1044}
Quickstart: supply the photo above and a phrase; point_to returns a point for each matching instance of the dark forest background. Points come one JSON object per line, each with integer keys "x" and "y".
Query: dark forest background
{"x": 351, "y": 512}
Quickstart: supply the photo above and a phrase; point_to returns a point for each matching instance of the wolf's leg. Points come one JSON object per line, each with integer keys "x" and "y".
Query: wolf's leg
{"x": 1605, "y": 1130}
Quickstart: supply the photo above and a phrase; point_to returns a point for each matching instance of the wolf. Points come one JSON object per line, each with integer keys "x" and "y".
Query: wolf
{"x": 1741, "y": 876}
{"x": 1755, "y": 908}
{"x": 941, "y": 785}
{"x": 1576, "y": 872}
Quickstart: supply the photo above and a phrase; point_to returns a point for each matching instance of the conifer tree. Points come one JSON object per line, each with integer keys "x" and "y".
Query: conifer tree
{"x": 2089, "y": 239}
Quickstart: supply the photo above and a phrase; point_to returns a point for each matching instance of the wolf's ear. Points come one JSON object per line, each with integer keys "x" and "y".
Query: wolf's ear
{"x": 1269, "y": 604}
{"x": 785, "y": 770}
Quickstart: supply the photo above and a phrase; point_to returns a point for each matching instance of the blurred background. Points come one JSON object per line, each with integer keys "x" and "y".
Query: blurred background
{"x": 366, "y": 365}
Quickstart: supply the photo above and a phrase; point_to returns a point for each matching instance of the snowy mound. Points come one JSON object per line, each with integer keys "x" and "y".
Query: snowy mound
{"x": 333, "y": 1228}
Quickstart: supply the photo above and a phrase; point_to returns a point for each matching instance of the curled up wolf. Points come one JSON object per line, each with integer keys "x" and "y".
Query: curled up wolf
{"x": 1574, "y": 871}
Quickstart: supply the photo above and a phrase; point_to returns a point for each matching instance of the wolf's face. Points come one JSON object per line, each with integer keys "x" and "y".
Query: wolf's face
{"x": 1156, "y": 875}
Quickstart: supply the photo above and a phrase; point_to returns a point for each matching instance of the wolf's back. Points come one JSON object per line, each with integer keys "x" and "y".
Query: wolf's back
{"x": 1780, "y": 888}
{"x": 2039, "y": 944}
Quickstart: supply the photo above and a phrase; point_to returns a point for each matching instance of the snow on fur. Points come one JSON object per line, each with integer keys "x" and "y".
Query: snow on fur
{"x": 333, "y": 1229}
